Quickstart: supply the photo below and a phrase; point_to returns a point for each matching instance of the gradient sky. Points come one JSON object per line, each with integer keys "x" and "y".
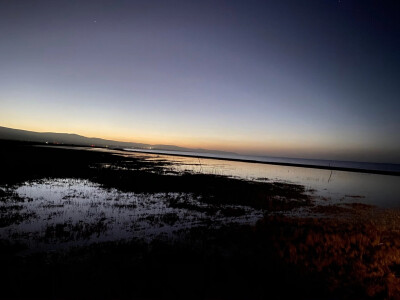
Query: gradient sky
{"x": 313, "y": 79}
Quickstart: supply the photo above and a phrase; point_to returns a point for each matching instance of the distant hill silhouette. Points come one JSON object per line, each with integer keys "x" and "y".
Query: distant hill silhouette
{"x": 79, "y": 140}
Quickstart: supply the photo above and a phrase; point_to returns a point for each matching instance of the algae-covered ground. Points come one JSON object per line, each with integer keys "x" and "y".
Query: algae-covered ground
{"x": 78, "y": 224}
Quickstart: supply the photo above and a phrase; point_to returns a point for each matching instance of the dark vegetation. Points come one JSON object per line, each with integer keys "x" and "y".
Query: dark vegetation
{"x": 352, "y": 257}
{"x": 25, "y": 162}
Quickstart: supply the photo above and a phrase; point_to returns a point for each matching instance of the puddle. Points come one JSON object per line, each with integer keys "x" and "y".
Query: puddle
{"x": 59, "y": 213}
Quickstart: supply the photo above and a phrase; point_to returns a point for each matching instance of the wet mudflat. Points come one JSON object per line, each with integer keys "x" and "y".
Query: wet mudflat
{"x": 60, "y": 213}
{"x": 87, "y": 224}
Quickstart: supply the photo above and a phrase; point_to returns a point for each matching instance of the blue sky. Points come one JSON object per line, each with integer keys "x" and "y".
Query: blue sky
{"x": 315, "y": 79}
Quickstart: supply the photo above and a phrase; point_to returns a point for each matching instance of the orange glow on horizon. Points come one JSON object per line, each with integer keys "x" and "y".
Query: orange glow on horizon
{"x": 240, "y": 145}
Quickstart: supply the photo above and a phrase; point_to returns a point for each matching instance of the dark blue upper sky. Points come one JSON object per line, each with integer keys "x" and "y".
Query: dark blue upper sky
{"x": 289, "y": 78}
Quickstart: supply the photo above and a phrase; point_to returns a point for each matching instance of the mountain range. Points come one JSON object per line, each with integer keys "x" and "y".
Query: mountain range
{"x": 79, "y": 140}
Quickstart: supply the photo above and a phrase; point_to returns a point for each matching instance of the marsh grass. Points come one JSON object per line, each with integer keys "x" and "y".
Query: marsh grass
{"x": 355, "y": 255}
{"x": 352, "y": 252}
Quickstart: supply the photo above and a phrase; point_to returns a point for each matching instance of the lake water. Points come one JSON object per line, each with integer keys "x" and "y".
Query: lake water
{"x": 364, "y": 166}
{"x": 331, "y": 186}
{"x": 61, "y": 212}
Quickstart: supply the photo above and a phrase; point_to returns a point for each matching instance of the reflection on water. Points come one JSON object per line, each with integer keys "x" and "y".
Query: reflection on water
{"x": 379, "y": 167}
{"x": 55, "y": 213}
{"x": 334, "y": 186}
{"x": 330, "y": 186}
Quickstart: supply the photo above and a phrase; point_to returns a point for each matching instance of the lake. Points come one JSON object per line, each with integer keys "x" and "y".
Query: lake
{"x": 331, "y": 186}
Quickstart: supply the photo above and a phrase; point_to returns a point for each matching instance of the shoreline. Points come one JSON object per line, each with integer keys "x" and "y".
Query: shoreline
{"x": 332, "y": 168}
{"x": 379, "y": 172}
{"x": 135, "y": 228}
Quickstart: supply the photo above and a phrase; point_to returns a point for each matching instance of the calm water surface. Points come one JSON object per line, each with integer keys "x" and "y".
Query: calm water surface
{"x": 379, "y": 167}
{"x": 59, "y": 213}
{"x": 330, "y": 186}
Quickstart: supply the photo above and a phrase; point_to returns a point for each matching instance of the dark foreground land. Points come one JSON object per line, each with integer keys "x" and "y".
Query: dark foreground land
{"x": 348, "y": 252}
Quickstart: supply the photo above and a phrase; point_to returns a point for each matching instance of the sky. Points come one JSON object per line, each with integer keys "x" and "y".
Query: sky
{"x": 309, "y": 79}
